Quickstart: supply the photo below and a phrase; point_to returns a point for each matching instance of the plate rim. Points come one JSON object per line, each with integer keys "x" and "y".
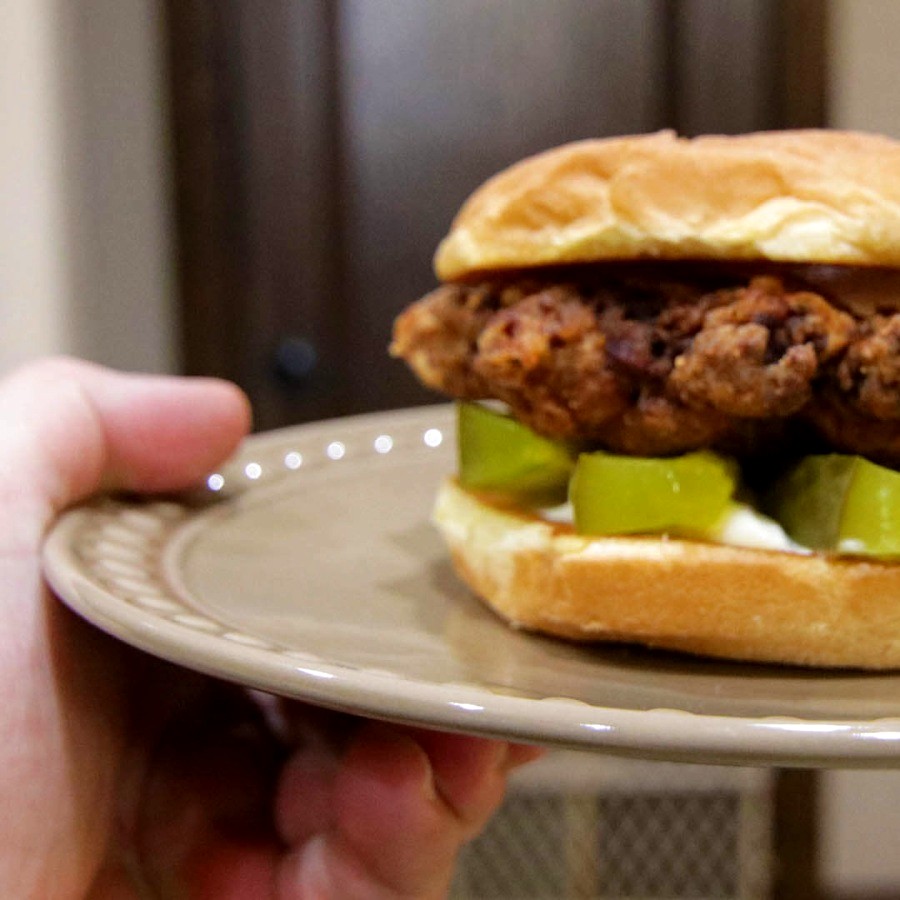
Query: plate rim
{"x": 700, "y": 737}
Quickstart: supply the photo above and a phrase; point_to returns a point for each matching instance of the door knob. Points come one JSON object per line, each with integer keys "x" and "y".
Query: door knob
{"x": 295, "y": 361}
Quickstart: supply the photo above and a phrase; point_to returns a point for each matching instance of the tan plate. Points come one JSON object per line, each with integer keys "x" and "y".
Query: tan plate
{"x": 309, "y": 569}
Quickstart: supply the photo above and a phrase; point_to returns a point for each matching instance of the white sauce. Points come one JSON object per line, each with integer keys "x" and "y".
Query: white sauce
{"x": 851, "y": 545}
{"x": 742, "y": 527}
{"x": 745, "y": 527}
{"x": 562, "y": 513}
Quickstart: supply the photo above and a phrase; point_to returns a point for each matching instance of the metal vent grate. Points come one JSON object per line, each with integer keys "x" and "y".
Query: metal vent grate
{"x": 610, "y": 843}
{"x": 669, "y": 845}
{"x": 532, "y": 849}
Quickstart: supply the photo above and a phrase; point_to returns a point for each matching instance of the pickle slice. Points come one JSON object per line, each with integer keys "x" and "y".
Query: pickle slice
{"x": 839, "y": 503}
{"x": 687, "y": 494}
{"x": 499, "y": 454}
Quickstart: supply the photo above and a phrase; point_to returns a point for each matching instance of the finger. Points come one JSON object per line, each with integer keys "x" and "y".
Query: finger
{"x": 304, "y": 804}
{"x": 469, "y": 774}
{"x": 201, "y": 824}
{"x": 522, "y": 754}
{"x": 226, "y": 870}
{"x": 393, "y": 833}
{"x": 305, "y": 725}
{"x": 75, "y": 427}
{"x": 304, "y": 799}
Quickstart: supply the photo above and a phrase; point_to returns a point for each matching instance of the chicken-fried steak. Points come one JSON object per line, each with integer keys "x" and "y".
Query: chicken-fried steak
{"x": 659, "y": 361}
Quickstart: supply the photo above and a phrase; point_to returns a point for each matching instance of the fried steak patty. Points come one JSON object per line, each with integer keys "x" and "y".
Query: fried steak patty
{"x": 651, "y": 361}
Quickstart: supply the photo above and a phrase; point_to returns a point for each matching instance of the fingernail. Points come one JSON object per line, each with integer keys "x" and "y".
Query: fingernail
{"x": 303, "y": 872}
{"x": 518, "y": 755}
{"x": 304, "y": 796}
{"x": 395, "y": 741}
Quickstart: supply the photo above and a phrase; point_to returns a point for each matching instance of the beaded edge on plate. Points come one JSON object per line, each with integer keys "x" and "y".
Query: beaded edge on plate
{"x": 122, "y": 546}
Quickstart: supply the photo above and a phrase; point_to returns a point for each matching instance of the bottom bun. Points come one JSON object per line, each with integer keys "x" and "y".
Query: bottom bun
{"x": 701, "y": 598}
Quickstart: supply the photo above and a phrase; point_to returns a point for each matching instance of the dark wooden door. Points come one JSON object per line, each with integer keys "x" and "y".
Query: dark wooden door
{"x": 324, "y": 145}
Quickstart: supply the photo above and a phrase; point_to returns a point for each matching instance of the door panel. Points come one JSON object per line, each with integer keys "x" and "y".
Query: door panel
{"x": 437, "y": 97}
{"x": 322, "y": 149}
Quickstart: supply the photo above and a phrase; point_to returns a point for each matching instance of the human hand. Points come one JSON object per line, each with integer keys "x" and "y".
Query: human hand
{"x": 121, "y": 775}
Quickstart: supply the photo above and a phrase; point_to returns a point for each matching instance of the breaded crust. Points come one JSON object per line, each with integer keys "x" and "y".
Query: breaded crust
{"x": 708, "y": 599}
{"x": 792, "y": 196}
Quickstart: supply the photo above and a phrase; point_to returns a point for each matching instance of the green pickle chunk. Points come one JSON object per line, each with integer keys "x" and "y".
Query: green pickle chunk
{"x": 842, "y": 504}
{"x": 832, "y": 502}
{"x": 499, "y": 454}
{"x": 688, "y": 494}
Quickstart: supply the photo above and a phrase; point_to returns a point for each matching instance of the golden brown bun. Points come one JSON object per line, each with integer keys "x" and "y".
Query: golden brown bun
{"x": 795, "y": 196}
{"x": 701, "y": 598}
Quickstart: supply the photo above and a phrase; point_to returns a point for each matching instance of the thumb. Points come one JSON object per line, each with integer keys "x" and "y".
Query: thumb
{"x": 74, "y": 428}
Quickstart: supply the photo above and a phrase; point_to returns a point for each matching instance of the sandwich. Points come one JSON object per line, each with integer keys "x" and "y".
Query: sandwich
{"x": 677, "y": 369}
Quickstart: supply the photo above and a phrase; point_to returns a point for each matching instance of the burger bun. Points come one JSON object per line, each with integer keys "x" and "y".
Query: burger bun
{"x": 701, "y": 598}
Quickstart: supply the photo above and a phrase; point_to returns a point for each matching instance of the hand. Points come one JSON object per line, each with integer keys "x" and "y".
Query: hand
{"x": 121, "y": 775}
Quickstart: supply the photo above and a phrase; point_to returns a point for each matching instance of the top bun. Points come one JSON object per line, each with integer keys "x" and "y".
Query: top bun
{"x": 789, "y": 196}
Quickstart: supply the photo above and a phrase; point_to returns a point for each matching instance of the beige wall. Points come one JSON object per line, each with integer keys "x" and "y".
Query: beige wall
{"x": 861, "y": 821}
{"x": 865, "y": 66}
{"x": 85, "y": 261}
{"x": 32, "y": 267}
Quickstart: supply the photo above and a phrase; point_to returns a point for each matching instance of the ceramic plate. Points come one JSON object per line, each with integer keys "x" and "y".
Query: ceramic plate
{"x": 308, "y": 567}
